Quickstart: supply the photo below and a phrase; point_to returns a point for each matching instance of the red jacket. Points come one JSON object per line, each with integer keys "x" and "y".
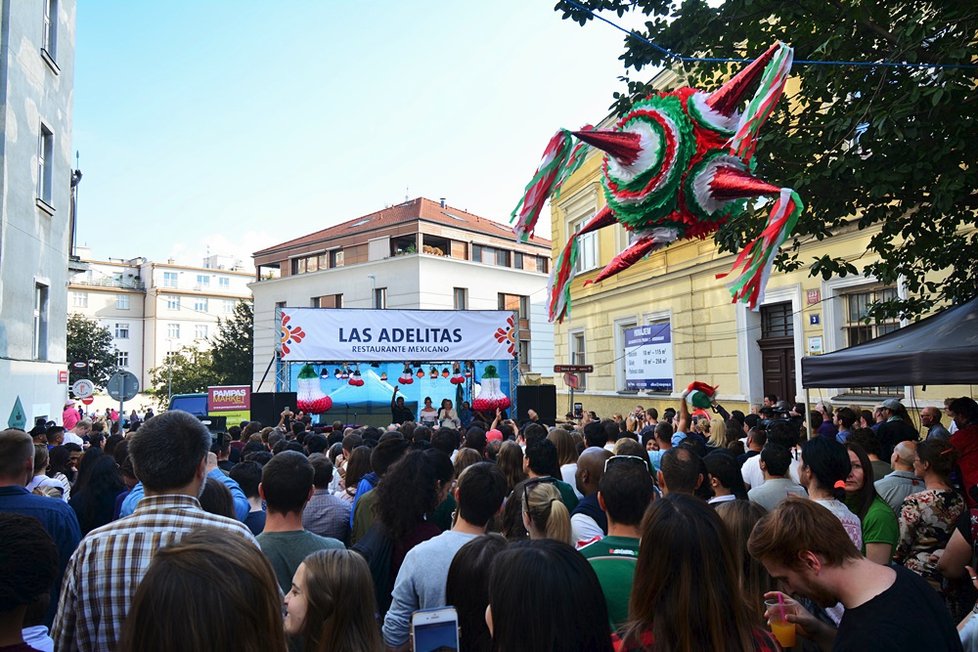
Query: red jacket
{"x": 965, "y": 441}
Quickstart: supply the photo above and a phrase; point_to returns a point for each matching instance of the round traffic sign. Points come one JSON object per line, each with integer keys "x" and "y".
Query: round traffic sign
{"x": 83, "y": 388}
{"x": 123, "y": 385}
{"x": 88, "y": 400}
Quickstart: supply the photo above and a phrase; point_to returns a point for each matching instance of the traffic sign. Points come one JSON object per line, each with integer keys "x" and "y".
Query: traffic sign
{"x": 571, "y": 380}
{"x": 573, "y": 368}
{"x": 83, "y": 388}
{"x": 88, "y": 400}
{"x": 123, "y": 385}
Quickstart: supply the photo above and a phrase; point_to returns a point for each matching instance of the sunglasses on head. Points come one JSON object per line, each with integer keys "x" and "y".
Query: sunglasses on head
{"x": 615, "y": 459}
{"x": 534, "y": 482}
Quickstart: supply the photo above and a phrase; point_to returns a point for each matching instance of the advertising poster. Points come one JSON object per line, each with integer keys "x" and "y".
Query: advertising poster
{"x": 648, "y": 358}
{"x": 230, "y": 401}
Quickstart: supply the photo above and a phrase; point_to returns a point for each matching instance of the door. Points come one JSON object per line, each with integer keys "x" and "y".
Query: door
{"x": 777, "y": 346}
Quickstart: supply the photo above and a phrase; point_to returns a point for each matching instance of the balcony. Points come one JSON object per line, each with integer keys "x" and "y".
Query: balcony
{"x": 130, "y": 283}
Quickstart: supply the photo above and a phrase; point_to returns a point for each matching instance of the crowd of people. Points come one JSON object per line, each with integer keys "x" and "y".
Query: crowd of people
{"x": 679, "y": 531}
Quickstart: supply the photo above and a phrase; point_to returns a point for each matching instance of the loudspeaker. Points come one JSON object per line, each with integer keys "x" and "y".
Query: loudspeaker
{"x": 267, "y": 406}
{"x": 541, "y": 398}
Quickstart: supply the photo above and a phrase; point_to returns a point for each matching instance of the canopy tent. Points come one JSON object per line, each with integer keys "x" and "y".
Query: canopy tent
{"x": 939, "y": 350}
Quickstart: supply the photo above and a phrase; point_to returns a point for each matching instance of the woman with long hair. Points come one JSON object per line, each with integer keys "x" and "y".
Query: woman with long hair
{"x": 510, "y": 462}
{"x": 718, "y": 434}
{"x": 574, "y": 616}
{"x": 467, "y": 589}
{"x": 357, "y": 466}
{"x": 928, "y": 517}
{"x": 566, "y": 456}
{"x": 544, "y": 514}
{"x": 740, "y": 517}
{"x": 331, "y": 606}
{"x": 59, "y": 465}
{"x": 687, "y": 594}
{"x": 879, "y": 524}
{"x": 209, "y": 591}
{"x": 825, "y": 466}
{"x": 94, "y": 503}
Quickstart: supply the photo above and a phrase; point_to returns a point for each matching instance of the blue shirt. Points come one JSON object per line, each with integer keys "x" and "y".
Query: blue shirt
{"x": 241, "y": 506}
{"x": 367, "y": 483}
{"x": 57, "y": 518}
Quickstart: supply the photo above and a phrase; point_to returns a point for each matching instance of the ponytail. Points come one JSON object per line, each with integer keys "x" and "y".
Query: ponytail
{"x": 558, "y": 522}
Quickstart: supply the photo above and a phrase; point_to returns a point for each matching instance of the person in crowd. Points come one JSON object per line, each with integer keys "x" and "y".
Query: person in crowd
{"x": 756, "y": 439}
{"x": 576, "y": 617}
{"x": 826, "y": 425}
{"x": 687, "y": 592}
{"x": 886, "y": 607}
{"x": 169, "y": 454}
{"x": 428, "y": 415}
{"x": 566, "y": 457}
{"x": 325, "y": 514}
{"x": 844, "y": 421}
{"x": 331, "y": 606}
{"x": 595, "y": 435}
{"x": 356, "y": 466}
{"x": 216, "y": 499}
{"x": 896, "y": 427}
{"x": 41, "y": 483}
{"x": 775, "y": 460}
{"x": 510, "y": 463}
{"x": 928, "y": 517}
{"x": 28, "y": 567}
{"x": 58, "y": 519}
{"x": 895, "y": 486}
{"x": 400, "y": 413}
{"x": 541, "y": 461}
{"x": 248, "y": 477}
{"x": 783, "y": 433}
{"x": 467, "y": 589}
{"x": 222, "y": 448}
{"x": 94, "y": 502}
{"x": 723, "y": 476}
{"x": 825, "y": 467}
{"x": 60, "y": 466}
{"x": 870, "y": 441}
{"x": 447, "y": 417}
{"x": 78, "y": 434}
{"x": 740, "y": 517}
{"x": 69, "y": 416}
{"x": 624, "y": 493}
{"x": 55, "y": 436}
{"x": 544, "y": 514}
{"x": 930, "y": 419}
{"x": 866, "y": 419}
{"x": 680, "y": 471}
{"x": 420, "y": 583}
{"x": 209, "y": 591}
{"x": 387, "y": 451}
{"x": 879, "y": 525}
{"x": 286, "y": 486}
{"x": 964, "y": 414}
{"x": 663, "y": 442}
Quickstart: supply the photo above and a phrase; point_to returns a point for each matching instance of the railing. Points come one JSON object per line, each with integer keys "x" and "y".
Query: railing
{"x": 126, "y": 283}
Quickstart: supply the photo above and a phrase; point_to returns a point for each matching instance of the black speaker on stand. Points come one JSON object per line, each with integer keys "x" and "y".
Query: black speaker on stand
{"x": 540, "y": 398}
{"x": 267, "y": 407}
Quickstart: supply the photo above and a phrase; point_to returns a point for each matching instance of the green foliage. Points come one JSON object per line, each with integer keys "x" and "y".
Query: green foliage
{"x": 893, "y": 147}
{"x": 187, "y": 371}
{"x": 233, "y": 346}
{"x": 89, "y": 340}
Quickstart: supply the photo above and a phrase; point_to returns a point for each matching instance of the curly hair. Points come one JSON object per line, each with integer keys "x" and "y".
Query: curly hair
{"x": 409, "y": 490}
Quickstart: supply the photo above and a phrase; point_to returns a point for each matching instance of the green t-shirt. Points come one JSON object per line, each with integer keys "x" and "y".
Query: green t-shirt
{"x": 286, "y": 550}
{"x": 567, "y": 495}
{"x": 880, "y": 524}
{"x": 613, "y": 560}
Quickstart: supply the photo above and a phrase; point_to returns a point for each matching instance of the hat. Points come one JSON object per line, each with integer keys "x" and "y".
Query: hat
{"x": 892, "y": 404}
{"x": 494, "y": 435}
{"x": 69, "y": 403}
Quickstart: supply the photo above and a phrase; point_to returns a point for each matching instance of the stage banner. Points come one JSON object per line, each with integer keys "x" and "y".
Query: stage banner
{"x": 350, "y": 334}
{"x": 648, "y": 358}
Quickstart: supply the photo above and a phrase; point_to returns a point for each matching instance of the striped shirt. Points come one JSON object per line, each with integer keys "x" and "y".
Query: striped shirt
{"x": 105, "y": 571}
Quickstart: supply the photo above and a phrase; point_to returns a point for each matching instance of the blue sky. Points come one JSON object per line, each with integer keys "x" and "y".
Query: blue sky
{"x": 237, "y": 125}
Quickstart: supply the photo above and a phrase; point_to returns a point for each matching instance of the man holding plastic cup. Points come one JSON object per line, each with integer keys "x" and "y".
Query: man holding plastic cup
{"x": 804, "y": 546}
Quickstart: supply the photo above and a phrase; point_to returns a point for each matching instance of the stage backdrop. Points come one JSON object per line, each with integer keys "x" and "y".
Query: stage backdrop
{"x": 349, "y": 334}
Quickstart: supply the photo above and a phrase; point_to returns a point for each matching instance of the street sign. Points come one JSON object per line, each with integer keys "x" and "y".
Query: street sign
{"x": 573, "y": 368}
{"x": 88, "y": 400}
{"x": 83, "y": 388}
{"x": 123, "y": 386}
{"x": 571, "y": 380}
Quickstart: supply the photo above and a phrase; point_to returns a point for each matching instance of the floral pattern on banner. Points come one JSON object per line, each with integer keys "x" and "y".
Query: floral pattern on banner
{"x": 289, "y": 334}
{"x": 508, "y": 335}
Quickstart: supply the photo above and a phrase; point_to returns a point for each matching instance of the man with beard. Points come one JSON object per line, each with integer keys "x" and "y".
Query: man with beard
{"x": 804, "y": 546}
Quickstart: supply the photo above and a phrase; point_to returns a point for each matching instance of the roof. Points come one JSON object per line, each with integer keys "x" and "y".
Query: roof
{"x": 939, "y": 350}
{"x": 420, "y": 208}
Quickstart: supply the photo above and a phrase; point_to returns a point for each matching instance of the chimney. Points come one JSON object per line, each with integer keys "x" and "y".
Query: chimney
{"x": 442, "y": 202}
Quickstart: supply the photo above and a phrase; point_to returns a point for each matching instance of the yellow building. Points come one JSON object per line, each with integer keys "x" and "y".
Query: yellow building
{"x": 747, "y": 354}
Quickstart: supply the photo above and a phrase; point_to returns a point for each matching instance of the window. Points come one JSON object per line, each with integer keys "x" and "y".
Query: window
{"x": 79, "y": 299}
{"x": 200, "y": 332}
{"x": 524, "y": 355}
{"x": 517, "y": 260}
{"x": 122, "y": 331}
{"x": 543, "y": 264}
{"x": 49, "y": 39}
{"x": 169, "y": 279}
{"x": 858, "y": 331}
{"x": 336, "y": 258}
{"x": 122, "y": 358}
{"x": 518, "y": 303}
{"x": 587, "y": 257}
{"x": 578, "y": 356}
{"x": 122, "y": 302}
{"x": 203, "y": 280}
{"x": 223, "y": 282}
{"x": 172, "y": 302}
{"x": 328, "y": 301}
{"x": 490, "y": 255}
{"x": 40, "y": 326}
{"x": 45, "y": 159}
{"x": 228, "y": 306}
{"x": 461, "y": 298}
{"x": 200, "y": 304}
{"x": 380, "y": 298}
{"x": 173, "y": 331}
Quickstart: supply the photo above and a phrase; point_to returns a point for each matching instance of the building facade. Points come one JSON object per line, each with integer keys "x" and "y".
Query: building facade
{"x": 37, "y": 59}
{"x": 421, "y": 254}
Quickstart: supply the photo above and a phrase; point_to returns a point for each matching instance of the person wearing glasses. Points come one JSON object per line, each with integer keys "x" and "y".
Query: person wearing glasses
{"x": 624, "y": 493}
{"x": 544, "y": 514}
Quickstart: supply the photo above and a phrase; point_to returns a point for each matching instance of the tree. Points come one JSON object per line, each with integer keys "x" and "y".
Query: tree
{"x": 888, "y": 146}
{"x": 187, "y": 371}
{"x": 233, "y": 346}
{"x": 89, "y": 341}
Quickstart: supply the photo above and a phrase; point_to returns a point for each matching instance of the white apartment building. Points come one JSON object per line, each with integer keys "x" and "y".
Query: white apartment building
{"x": 153, "y": 308}
{"x": 37, "y": 60}
{"x": 421, "y": 254}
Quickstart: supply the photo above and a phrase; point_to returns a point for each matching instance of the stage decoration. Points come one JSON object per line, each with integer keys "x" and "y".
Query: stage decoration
{"x": 700, "y": 395}
{"x": 677, "y": 166}
{"x": 457, "y": 377}
{"x": 491, "y": 397}
{"x": 445, "y": 373}
{"x": 337, "y": 374}
{"x": 324, "y": 374}
{"x": 309, "y": 397}
{"x": 420, "y": 373}
{"x": 383, "y": 376}
{"x": 406, "y": 377}
{"x": 345, "y": 374}
{"x": 433, "y": 374}
{"x": 356, "y": 379}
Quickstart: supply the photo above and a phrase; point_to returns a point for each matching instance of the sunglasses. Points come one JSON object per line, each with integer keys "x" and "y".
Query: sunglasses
{"x": 615, "y": 459}
{"x": 534, "y": 482}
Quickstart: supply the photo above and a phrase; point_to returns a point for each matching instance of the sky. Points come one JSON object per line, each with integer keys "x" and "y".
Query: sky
{"x": 228, "y": 126}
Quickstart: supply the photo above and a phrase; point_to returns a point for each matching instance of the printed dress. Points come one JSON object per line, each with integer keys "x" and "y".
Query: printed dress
{"x": 927, "y": 520}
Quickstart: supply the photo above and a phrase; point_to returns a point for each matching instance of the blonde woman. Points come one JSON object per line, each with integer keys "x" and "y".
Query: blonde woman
{"x": 544, "y": 514}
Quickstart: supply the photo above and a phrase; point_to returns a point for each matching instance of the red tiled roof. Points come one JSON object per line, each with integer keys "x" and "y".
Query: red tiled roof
{"x": 409, "y": 211}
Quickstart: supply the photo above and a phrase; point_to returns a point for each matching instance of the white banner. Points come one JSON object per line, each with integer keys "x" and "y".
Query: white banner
{"x": 341, "y": 335}
{"x": 648, "y": 358}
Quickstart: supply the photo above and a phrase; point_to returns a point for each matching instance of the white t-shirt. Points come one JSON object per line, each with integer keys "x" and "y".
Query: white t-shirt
{"x": 751, "y": 470}
{"x": 567, "y": 473}
{"x": 584, "y": 530}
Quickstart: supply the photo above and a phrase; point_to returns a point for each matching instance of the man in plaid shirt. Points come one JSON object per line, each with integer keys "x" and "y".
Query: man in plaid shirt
{"x": 169, "y": 455}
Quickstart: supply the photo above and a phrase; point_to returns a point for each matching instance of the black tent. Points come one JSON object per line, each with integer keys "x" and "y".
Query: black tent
{"x": 939, "y": 350}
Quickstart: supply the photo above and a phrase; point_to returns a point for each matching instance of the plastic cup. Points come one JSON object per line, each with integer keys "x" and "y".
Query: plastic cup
{"x": 783, "y": 630}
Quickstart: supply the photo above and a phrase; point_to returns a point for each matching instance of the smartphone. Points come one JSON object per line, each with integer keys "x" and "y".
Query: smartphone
{"x": 435, "y": 629}
{"x": 578, "y": 410}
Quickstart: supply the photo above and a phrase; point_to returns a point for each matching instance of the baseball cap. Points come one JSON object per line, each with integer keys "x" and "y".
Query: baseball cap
{"x": 892, "y": 404}
{"x": 494, "y": 435}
